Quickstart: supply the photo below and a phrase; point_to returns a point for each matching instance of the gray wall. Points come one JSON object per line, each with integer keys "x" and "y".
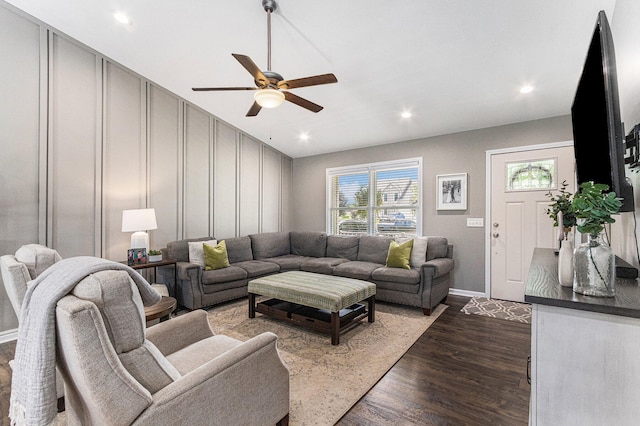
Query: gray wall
{"x": 456, "y": 153}
{"x": 84, "y": 138}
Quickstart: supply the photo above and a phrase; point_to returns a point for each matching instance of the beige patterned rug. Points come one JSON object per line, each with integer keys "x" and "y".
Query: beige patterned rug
{"x": 502, "y": 309}
{"x": 326, "y": 380}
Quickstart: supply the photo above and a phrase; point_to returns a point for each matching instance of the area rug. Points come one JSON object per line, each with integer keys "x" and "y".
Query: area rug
{"x": 326, "y": 381}
{"x": 502, "y": 309}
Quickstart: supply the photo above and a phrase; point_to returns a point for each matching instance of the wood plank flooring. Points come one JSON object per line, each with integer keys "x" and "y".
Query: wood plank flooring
{"x": 465, "y": 370}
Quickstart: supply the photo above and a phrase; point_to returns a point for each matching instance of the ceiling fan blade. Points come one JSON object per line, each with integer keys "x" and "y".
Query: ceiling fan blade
{"x": 302, "y": 102}
{"x": 253, "y": 69}
{"x": 254, "y": 110}
{"x": 308, "y": 81}
{"x": 210, "y": 89}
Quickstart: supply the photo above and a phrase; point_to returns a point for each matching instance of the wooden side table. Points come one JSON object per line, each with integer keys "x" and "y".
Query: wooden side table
{"x": 164, "y": 262}
{"x": 161, "y": 310}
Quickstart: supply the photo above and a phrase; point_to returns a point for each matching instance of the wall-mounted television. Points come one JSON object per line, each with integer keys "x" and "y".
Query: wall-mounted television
{"x": 598, "y": 135}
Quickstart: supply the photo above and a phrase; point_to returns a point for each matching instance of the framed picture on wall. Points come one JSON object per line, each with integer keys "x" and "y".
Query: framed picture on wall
{"x": 452, "y": 191}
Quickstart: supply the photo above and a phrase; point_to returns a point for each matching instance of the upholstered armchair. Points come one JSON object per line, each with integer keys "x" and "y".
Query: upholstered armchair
{"x": 119, "y": 372}
{"x": 17, "y": 270}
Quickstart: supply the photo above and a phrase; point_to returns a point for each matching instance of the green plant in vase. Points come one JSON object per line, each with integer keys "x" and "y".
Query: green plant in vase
{"x": 594, "y": 260}
{"x": 155, "y": 255}
{"x": 561, "y": 206}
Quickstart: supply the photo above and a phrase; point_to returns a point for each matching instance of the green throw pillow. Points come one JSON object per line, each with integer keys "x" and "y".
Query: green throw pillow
{"x": 399, "y": 255}
{"x": 215, "y": 257}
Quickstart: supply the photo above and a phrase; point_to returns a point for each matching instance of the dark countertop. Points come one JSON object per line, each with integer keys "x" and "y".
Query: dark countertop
{"x": 543, "y": 288}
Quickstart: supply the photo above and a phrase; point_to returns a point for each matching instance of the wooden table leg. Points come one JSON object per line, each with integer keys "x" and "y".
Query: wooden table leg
{"x": 252, "y": 305}
{"x": 372, "y": 309}
{"x": 335, "y": 328}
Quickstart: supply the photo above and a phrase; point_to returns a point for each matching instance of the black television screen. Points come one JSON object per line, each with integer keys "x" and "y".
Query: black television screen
{"x": 598, "y": 136}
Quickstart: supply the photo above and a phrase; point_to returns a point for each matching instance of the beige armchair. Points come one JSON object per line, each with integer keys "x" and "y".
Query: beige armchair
{"x": 17, "y": 270}
{"x": 118, "y": 372}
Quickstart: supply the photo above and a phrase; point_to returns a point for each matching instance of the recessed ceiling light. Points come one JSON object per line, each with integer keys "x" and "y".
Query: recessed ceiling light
{"x": 122, "y": 18}
{"x": 304, "y": 136}
{"x": 406, "y": 114}
{"x": 526, "y": 89}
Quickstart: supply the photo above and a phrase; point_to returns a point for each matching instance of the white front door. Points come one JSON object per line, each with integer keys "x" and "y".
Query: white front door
{"x": 518, "y": 221}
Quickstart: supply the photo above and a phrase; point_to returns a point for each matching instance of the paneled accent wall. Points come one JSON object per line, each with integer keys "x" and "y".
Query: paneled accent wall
{"x": 84, "y": 138}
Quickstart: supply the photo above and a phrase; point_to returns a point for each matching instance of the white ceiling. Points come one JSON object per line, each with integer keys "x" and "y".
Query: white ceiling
{"x": 456, "y": 65}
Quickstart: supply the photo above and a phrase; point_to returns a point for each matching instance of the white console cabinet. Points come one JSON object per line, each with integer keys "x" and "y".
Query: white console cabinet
{"x": 585, "y": 351}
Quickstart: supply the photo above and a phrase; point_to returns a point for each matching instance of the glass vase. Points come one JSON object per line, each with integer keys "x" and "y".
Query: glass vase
{"x": 594, "y": 268}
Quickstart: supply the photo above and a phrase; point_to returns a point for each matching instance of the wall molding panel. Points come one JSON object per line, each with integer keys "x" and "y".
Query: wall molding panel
{"x": 84, "y": 138}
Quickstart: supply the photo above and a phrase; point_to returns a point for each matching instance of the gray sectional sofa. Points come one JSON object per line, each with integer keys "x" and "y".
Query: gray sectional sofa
{"x": 361, "y": 257}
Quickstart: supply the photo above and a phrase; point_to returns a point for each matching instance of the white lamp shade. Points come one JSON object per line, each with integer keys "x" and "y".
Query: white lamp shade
{"x": 269, "y": 98}
{"x": 139, "y": 220}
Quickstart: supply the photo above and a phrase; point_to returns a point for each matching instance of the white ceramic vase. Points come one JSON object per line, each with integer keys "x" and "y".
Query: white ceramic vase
{"x": 565, "y": 262}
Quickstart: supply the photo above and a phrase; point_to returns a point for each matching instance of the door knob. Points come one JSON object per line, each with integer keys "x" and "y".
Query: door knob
{"x": 496, "y": 235}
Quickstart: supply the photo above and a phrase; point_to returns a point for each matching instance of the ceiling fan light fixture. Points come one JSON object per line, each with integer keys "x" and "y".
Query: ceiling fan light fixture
{"x": 269, "y": 98}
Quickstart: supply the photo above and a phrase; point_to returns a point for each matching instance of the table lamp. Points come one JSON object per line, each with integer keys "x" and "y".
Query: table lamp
{"x": 138, "y": 221}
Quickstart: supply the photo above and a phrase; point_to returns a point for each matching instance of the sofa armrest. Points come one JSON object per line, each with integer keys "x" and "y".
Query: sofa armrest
{"x": 248, "y": 384}
{"x": 180, "y": 332}
{"x": 435, "y": 268}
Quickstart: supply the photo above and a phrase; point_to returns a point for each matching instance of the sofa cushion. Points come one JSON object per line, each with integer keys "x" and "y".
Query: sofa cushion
{"x": 197, "y": 354}
{"x": 215, "y": 257}
{"x": 419, "y": 250}
{"x": 396, "y": 287}
{"x": 269, "y": 244}
{"x": 437, "y": 247}
{"x": 179, "y": 250}
{"x": 343, "y": 246}
{"x": 196, "y": 252}
{"x": 396, "y": 275}
{"x": 322, "y": 265}
{"x": 373, "y": 249}
{"x": 312, "y": 244}
{"x": 216, "y": 276}
{"x": 356, "y": 269}
{"x": 399, "y": 254}
{"x": 239, "y": 249}
{"x": 256, "y": 268}
{"x": 288, "y": 262}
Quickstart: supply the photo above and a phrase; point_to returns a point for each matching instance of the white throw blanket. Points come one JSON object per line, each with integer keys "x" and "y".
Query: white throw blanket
{"x": 33, "y": 391}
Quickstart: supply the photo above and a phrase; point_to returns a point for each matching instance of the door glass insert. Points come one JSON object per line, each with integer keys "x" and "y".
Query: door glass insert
{"x": 531, "y": 175}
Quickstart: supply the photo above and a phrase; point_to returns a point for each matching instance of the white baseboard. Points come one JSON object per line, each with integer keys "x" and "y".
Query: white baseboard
{"x": 9, "y": 335}
{"x": 466, "y": 293}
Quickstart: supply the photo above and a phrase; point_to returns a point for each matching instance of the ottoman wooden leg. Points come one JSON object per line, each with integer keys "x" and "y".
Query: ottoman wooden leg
{"x": 372, "y": 309}
{"x": 252, "y": 305}
{"x": 335, "y": 328}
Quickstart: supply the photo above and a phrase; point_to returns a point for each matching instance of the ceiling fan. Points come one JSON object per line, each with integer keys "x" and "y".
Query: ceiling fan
{"x": 272, "y": 88}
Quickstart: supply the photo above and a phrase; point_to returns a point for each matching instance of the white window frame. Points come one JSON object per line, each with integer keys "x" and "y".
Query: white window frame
{"x": 371, "y": 169}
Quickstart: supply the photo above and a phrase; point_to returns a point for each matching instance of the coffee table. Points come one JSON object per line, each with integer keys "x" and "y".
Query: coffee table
{"x": 322, "y": 302}
{"x": 161, "y": 310}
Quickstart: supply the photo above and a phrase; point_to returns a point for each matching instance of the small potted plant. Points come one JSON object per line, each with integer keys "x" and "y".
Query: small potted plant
{"x": 594, "y": 260}
{"x": 155, "y": 255}
{"x": 561, "y": 207}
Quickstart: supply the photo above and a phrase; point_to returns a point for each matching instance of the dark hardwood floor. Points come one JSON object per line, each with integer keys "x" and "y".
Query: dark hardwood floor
{"x": 465, "y": 370}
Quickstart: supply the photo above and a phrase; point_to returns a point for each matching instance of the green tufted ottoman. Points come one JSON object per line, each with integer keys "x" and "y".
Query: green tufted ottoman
{"x": 322, "y": 302}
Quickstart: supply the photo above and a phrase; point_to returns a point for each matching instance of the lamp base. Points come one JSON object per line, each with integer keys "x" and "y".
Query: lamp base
{"x": 140, "y": 239}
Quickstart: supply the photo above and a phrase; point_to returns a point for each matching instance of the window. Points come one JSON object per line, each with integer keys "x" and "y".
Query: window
{"x": 531, "y": 175}
{"x": 396, "y": 208}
